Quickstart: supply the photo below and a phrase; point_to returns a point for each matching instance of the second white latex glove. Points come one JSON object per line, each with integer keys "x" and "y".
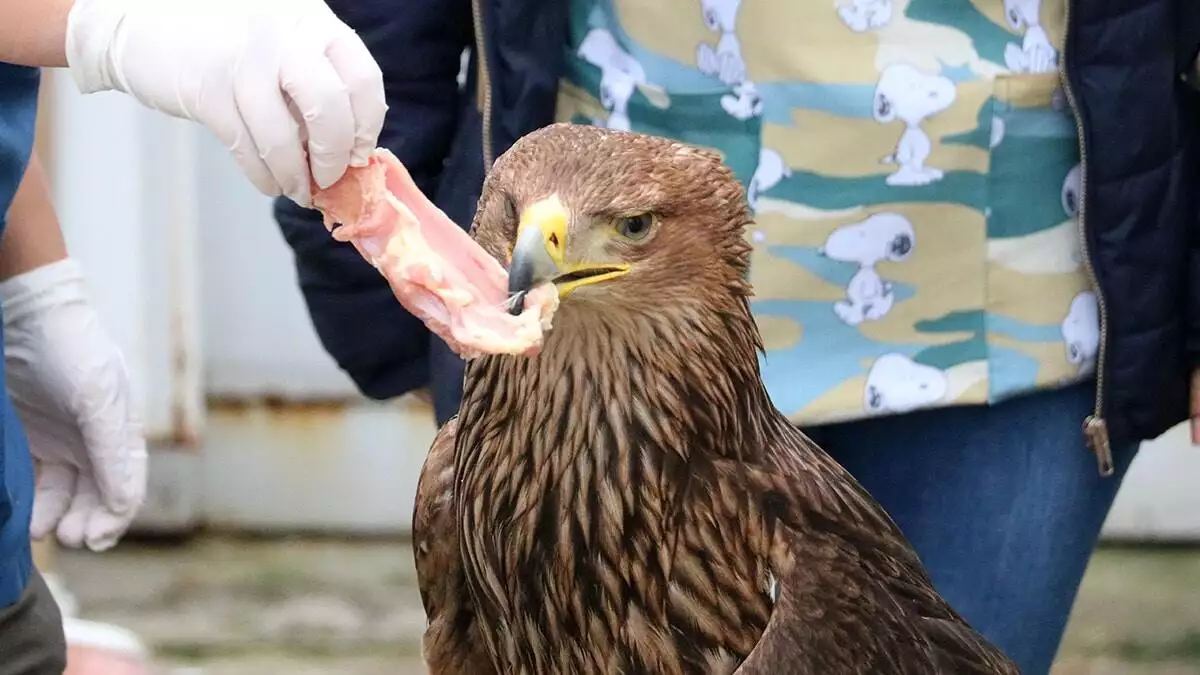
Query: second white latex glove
{"x": 284, "y": 84}
{"x": 69, "y": 384}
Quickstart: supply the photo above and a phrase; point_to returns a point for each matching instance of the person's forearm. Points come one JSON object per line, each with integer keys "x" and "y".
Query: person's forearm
{"x": 32, "y": 236}
{"x": 33, "y": 32}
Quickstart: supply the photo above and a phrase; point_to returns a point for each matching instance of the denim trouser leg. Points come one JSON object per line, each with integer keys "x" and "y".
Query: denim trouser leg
{"x": 1003, "y": 503}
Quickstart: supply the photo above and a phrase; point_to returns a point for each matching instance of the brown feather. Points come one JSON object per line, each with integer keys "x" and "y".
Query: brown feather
{"x": 451, "y": 644}
{"x": 629, "y": 500}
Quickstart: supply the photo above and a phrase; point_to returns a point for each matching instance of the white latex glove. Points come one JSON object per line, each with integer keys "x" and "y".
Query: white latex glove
{"x": 271, "y": 78}
{"x": 71, "y": 390}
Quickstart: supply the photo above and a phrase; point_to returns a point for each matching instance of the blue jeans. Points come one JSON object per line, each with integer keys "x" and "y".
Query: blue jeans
{"x": 1003, "y": 503}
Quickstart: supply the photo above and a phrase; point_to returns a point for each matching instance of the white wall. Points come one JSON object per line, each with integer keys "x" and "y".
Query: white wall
{"x": 196, "y": 282}
{"x": 257, "y": 335}
{"x": 1159, "y": 499}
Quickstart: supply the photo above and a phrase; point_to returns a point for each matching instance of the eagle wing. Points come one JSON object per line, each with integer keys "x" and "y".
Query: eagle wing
{"x": 452, "y": 644}
{"x": 856, "y": 598}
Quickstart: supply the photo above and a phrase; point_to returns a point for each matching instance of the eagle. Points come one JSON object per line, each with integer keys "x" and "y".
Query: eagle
{"x": 628, "y": 499}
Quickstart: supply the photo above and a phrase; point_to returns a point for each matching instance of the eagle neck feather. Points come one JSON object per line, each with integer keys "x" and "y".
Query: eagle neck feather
{"x": 572, "y": 465}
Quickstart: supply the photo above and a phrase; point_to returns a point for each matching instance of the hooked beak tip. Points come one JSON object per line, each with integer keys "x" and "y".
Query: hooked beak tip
{"x": 536, "y": 255}
{"x": 516, "y": 303}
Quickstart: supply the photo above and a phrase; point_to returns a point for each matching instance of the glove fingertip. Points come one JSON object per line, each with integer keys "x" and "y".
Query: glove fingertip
{"x": 105, "y": 530}
{"x": 102, "y": 543}
{"x": 48, "y": 509}
{"x": 42, "y": 524}
{"x": 39, "y": 530}
{"x": 363, "y": 151}
{"x": 255, "y": 169}
{"x": 121, "y": 484}
{"x": 301, "y": 197}
{"x": 70, "y": 531}
{"x": 325, "y": 175}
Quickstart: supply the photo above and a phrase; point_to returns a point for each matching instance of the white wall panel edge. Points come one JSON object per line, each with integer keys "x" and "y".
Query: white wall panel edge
{"x": 1160, "y": 498}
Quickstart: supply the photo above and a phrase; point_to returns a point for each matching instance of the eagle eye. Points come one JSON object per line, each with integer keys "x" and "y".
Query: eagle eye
{"x": 510, "y": 209}
{"x": 636, "y": 227}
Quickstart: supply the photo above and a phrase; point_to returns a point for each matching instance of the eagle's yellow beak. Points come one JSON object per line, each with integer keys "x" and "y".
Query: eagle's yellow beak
{"x": 540, "y": 253}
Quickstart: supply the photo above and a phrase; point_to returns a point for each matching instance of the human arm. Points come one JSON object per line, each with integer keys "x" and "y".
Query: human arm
{"x": 68, "y": 382}
{"x": 33, "y": 32}
{"x": 32, "y": 236}
{"x": 286, "y": 86}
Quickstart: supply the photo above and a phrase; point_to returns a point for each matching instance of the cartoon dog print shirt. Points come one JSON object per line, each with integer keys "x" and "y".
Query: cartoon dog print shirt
{"x": 914, "y": 174}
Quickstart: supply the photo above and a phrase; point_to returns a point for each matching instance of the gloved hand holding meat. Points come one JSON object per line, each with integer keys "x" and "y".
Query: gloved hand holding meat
{"x": 624, "y": 497}
{"x": 288, "y": 88}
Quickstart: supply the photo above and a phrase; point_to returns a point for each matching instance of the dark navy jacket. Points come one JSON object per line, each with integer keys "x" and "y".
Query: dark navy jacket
{"x": 1125, "y": 63}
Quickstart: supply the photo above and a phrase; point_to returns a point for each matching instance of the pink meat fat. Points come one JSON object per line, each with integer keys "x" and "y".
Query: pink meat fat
{"x": 435, "y": 269}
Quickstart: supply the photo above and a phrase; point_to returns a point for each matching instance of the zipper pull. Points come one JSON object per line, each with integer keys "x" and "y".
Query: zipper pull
{"x": 1095, "y": 429}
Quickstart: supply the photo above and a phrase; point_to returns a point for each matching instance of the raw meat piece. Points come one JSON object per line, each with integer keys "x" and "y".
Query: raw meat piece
{"x": 436, "y": 270}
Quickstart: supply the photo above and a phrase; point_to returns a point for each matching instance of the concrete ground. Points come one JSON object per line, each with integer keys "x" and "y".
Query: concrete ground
{"x": 222, "y": 606}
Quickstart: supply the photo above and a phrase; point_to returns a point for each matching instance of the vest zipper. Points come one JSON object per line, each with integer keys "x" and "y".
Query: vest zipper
{"x": 483, "y": 88}
{"x": 1095, "y": 428}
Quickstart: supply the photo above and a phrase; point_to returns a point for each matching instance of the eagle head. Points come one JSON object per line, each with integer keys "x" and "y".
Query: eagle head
{"x": 616, "y": 221}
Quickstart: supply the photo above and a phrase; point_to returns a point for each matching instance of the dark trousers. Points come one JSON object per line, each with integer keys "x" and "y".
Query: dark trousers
{"x": 31, "y": 633}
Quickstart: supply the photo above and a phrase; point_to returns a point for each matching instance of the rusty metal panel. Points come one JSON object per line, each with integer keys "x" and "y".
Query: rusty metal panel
{"x": 323, "y": 466}
{"x": 183, "y": 306}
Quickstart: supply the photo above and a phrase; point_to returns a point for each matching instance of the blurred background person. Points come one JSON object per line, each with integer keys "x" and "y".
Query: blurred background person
{"x": 68, "y": 404}
{"x": 947, "y": 248}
